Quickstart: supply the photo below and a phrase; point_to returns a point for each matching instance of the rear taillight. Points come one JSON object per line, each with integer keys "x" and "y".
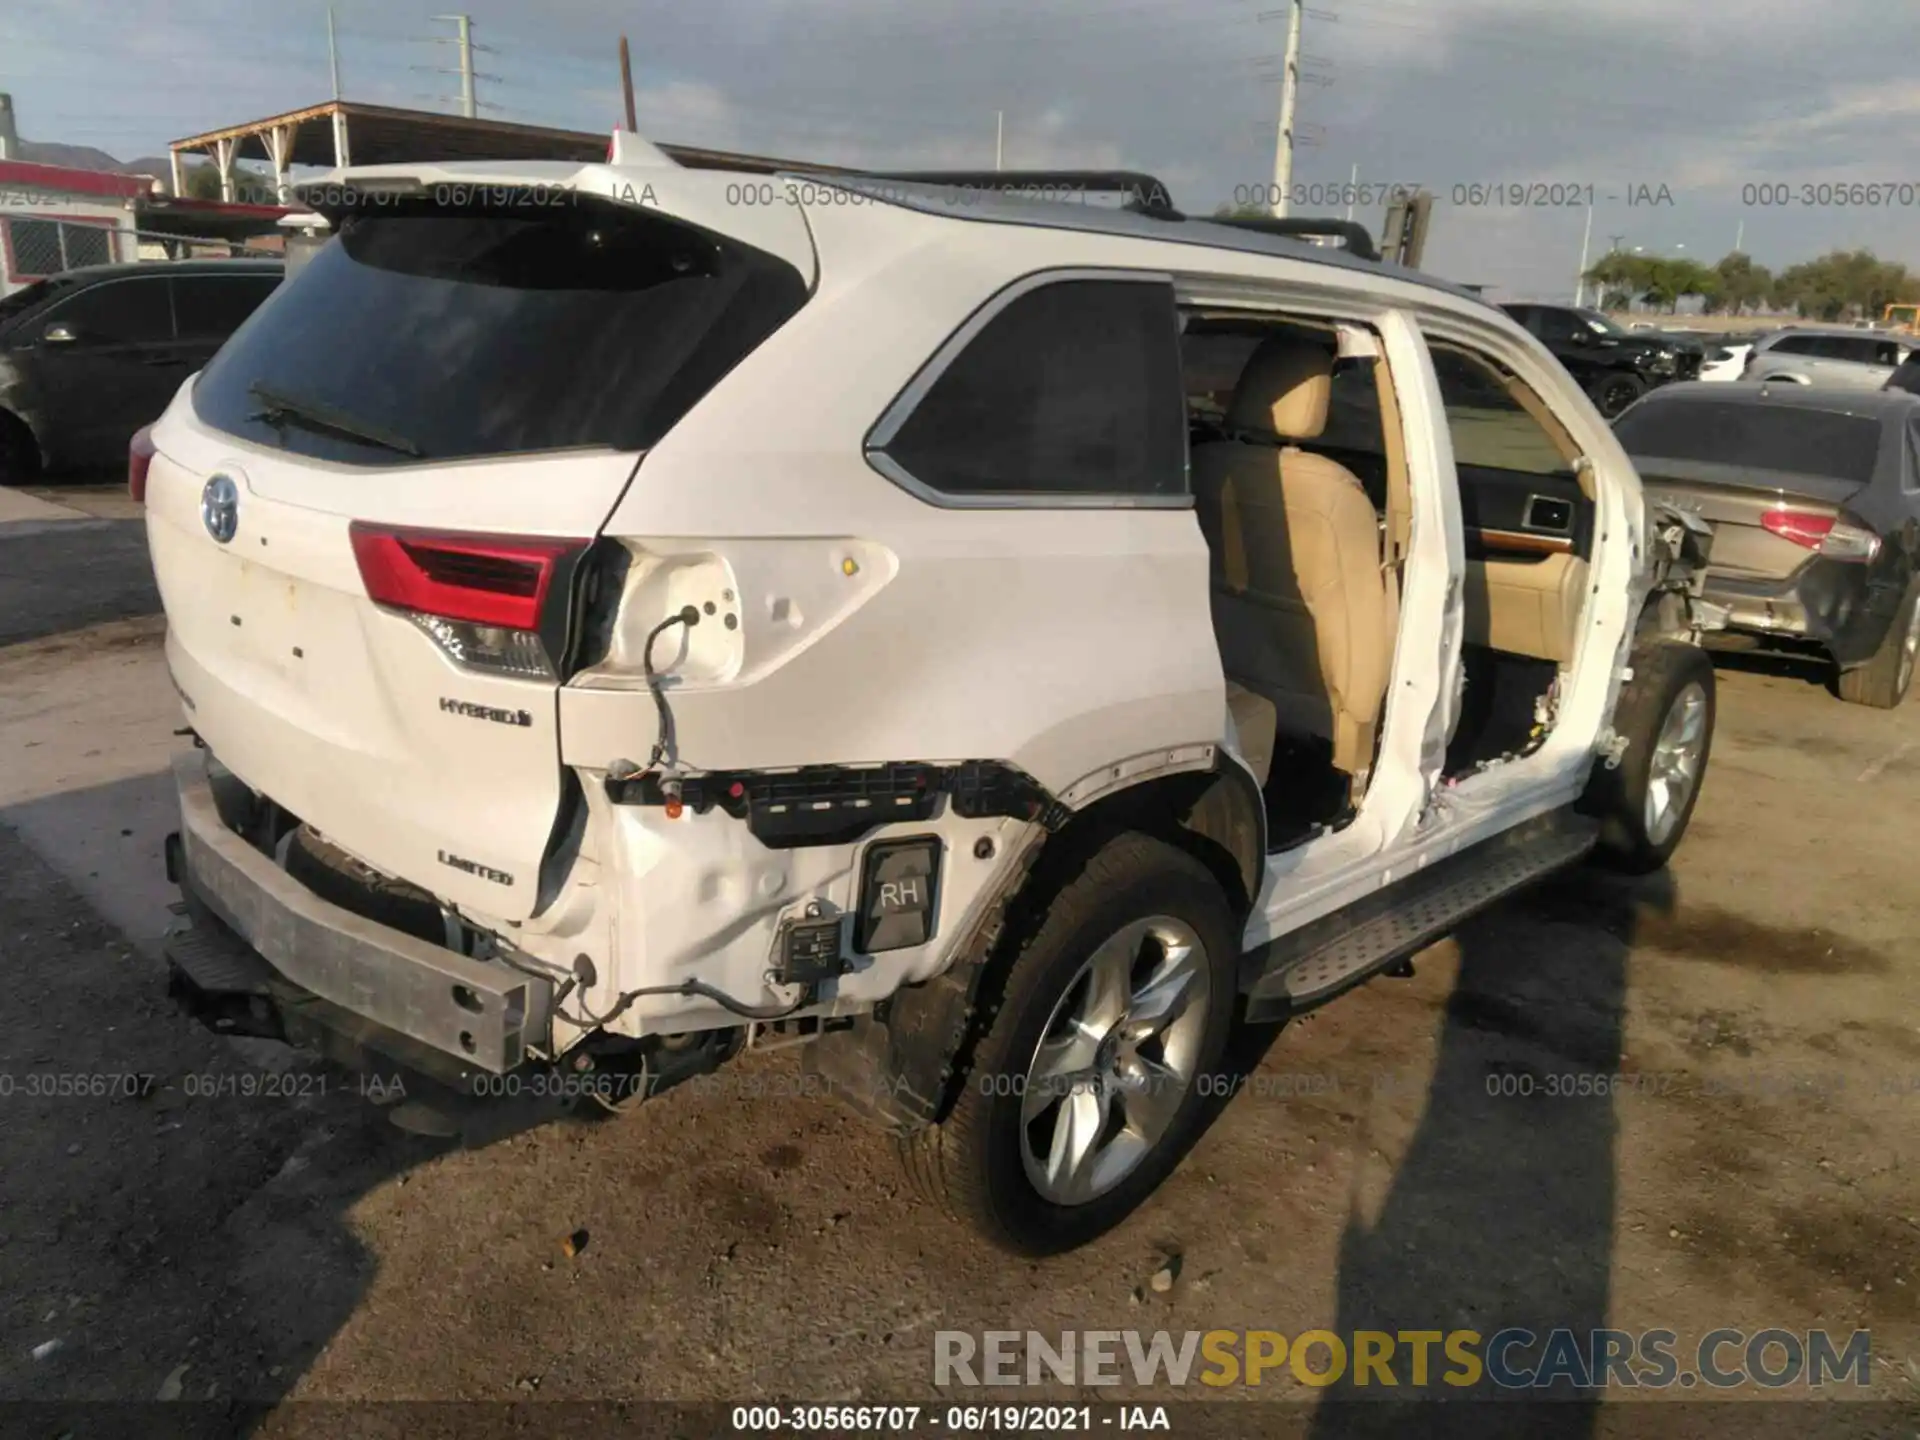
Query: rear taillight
{"x": 490, "y": 602}
{"x": 1829, "y": 535}
{"x": 139, "y": 459}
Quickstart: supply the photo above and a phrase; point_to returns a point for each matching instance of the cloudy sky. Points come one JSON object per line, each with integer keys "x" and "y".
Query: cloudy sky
{"x": 1703, "y": 97}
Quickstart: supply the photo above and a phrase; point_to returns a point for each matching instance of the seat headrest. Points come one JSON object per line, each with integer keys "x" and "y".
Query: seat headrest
{"x": 1286, "y": 387}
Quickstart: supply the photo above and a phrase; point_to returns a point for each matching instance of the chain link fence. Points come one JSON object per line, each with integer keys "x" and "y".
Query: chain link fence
{"x": 41, "y": 247}
{"x": 47, "y": 247}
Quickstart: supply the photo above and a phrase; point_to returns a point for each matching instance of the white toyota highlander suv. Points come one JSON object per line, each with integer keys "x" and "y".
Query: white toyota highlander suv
{"x": 630, "y": 613}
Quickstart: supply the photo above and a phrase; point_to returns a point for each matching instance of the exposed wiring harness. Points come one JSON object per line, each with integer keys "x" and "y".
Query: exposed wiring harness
{"x": 688, "y": 988}
{"x": 665, "y": 742}
{"x": 665, "y": 746}
{"x": 583, "y": 977}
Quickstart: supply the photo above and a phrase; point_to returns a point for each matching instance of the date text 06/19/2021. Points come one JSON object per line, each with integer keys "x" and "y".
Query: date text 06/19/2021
{"x": 1010, "y": 1419}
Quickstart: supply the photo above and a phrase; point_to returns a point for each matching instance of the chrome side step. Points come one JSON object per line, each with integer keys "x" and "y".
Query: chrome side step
{"x": 1318, "y": 961}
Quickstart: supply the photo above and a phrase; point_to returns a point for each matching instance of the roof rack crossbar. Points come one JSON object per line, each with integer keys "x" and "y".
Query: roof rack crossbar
{"x": 1143, "y": 193}
{"x": 1355, "y": 237}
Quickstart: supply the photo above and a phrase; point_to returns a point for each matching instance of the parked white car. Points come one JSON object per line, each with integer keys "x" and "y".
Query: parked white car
{"x": 1831, "y": 358}
{"x": 1726, "y": 362}
{"x": 628, "y": 613}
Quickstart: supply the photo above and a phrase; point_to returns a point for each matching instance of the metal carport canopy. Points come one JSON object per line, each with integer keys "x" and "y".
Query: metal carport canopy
{"x": 386, "y": 134}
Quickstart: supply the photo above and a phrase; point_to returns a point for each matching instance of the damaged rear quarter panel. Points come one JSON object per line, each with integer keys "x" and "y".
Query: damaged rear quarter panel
{"x": 872, "y": 625}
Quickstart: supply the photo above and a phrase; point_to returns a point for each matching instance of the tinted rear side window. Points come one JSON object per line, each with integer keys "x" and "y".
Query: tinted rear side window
{"x": 37, "y": 293}
{"x": 469, "y": 333}
{"x": 215, "y": 305}
{"x": 1787, "y": 438}
{"x": 134, "y": 311}
{"x": 1072, "y": 389}
{"x": 1845, "y": 347}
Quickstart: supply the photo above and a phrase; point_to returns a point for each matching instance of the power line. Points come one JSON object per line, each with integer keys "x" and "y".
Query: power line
{"x": 463, "y": 38}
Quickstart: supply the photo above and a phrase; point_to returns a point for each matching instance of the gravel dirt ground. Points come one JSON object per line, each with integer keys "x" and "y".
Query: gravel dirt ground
{"x": 240, "y": 1222}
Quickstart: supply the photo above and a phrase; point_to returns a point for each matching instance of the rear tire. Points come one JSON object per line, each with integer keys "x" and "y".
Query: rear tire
{"x": 1615, "y": 392}
{"x": 1666, "y": 714}
{"x": 1883, "y": 682}
{"x": 1003, "y": 1164}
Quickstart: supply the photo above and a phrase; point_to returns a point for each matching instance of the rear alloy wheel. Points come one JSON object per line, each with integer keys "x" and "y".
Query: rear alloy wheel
{"x": 1614, "y": 393}
{"x": 1883, "y": 682}
{"x": 1115, "y": 1061}
{"x": 1090, "y": 1083}
{"x": 1666, "y": 715}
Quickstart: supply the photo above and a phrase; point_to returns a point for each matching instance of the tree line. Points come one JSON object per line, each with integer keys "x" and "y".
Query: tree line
{"x": 1842, "y": 284}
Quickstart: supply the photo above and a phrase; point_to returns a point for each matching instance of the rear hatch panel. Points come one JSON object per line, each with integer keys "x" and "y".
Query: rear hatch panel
{"x": 345, "y": 712}
{"x": 532, "y": 387}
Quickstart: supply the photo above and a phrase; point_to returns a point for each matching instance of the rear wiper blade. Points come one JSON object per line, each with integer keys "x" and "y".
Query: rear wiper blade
{"x": 277, "y": 408}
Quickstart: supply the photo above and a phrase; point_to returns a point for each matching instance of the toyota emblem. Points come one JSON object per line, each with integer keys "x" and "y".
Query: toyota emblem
{"x": 220, "y": 508}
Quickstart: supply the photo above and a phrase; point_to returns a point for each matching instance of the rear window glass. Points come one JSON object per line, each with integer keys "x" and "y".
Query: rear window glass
{"x": 1788, "y": 438}
{"x": 449, "y": 334}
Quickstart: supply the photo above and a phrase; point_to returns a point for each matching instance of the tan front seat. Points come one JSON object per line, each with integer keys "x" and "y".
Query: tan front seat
{"x": 1303, "y": 611}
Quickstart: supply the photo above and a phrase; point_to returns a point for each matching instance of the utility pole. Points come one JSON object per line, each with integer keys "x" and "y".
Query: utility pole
{"x": 1613, "y": 248}
{"x": 333, "y": 54}
{"x": 1289, "y": 97}
{"x": 1739, "y": 236}
{"x": 463, "y": 24}
{"x": 1353, "y": 185}
{"x": 626, "y": 85}
{"x": 1580, "y": 283}
{"x": 999, "y": 137}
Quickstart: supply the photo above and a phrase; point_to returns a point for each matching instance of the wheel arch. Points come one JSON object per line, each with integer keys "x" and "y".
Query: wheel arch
{"x": 904, "y": 1064}
{"x": 1218, "y": 816}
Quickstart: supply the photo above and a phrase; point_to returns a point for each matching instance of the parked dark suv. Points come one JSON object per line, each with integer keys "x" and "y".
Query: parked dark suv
{"x": 1615, "y": 366}
{"x": 89, "y": 356}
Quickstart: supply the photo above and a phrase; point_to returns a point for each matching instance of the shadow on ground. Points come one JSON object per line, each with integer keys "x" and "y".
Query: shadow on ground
{"x": 175, "y": 1207}
{"x": 1807, "y": 669}
{"x": 1501, "y": 1166}
{"x": 61, "y": 575}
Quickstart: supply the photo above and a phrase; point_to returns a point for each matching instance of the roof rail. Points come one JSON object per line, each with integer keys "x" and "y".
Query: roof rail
{"x": 1144, "y": 194}
{"x": 1357, "y": 242}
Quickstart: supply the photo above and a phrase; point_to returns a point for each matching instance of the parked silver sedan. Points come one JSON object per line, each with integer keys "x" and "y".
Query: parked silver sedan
{"x": 1828, "y": 357}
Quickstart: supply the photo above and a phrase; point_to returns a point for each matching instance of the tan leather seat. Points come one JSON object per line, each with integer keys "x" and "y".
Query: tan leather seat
{"x": 1303, "y": 613}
